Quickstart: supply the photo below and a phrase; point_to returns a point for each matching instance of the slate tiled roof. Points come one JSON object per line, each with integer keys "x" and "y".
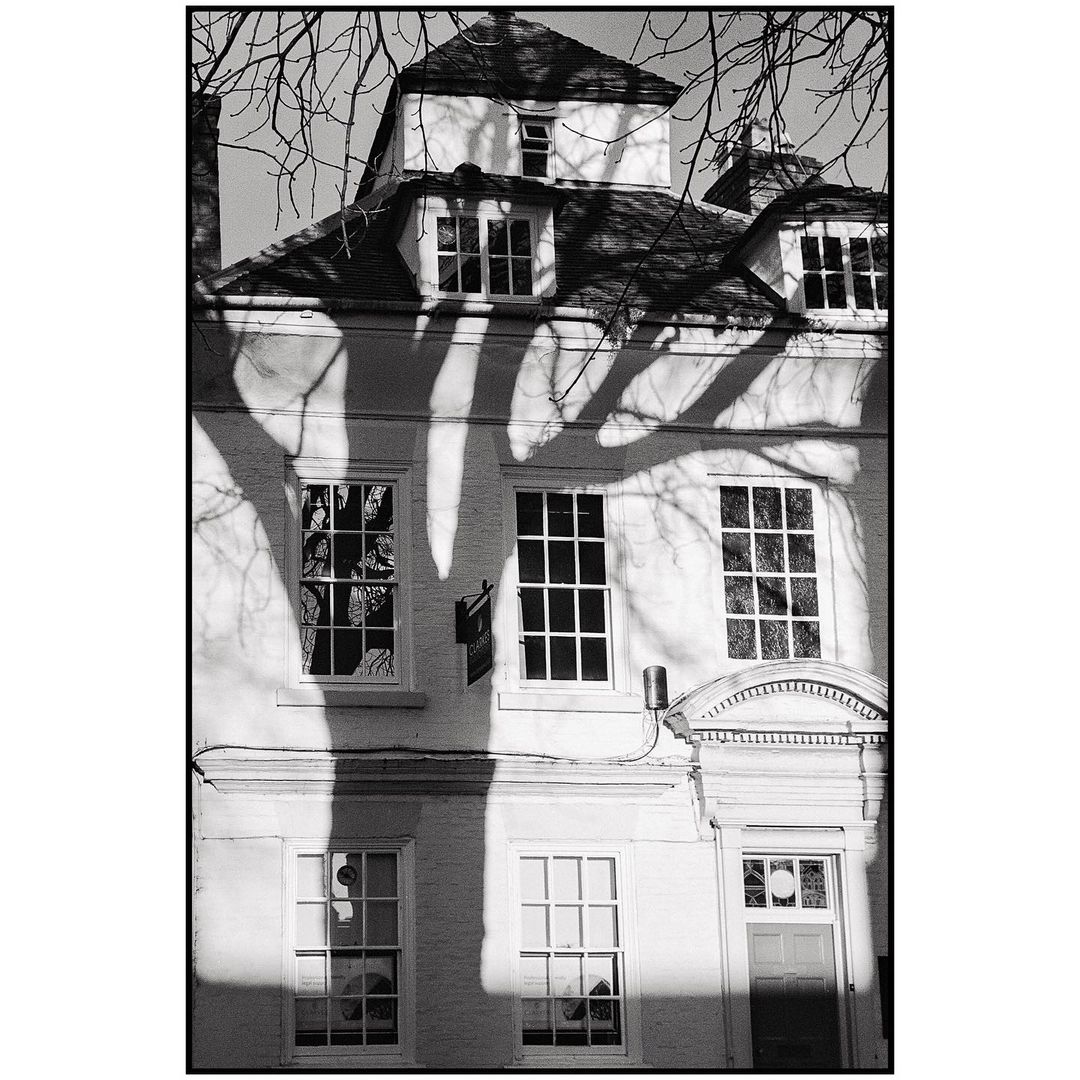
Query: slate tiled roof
{"x": 601, "y": 235}
{"x": 504, "y": 56}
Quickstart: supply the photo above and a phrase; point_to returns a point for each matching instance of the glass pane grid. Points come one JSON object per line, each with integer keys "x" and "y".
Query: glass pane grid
{"x": 349, "y": 580}
{"x": 570, "y": 988}
{"x": 347, "y": 981}
{"x": 769, "y": 572}
{"x": 564, "y": 620}
{"x": 786, "y": 883}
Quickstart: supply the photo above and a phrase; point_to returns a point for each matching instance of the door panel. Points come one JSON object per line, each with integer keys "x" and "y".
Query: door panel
{"x": 794, "y": 1017}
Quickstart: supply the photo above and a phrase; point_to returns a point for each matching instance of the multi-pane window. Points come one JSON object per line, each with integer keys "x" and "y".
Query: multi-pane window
{"x": 496, "y": 260}
{"x": 770, "y": 572}
{"x": 570, "y": 965}
{"x": 536, "y": 148}
{"x": 841, "y": 273}
{"x": 348, "y": 953}
{"x": 349, "y": 581}
{"x": 785, "y": 881}
{"x": 563, "y": 595}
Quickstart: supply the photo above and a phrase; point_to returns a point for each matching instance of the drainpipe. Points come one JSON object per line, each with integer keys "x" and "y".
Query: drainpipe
{"x": 725, "y": 994}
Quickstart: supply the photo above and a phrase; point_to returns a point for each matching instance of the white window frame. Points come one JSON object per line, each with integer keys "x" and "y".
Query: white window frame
{"x": 366, "y": 1057}
{"x": 797, "y": 913}
{"x": 823, "y": 561}
{"x": 627, "y": 1054}
{"x": 549, "y": 123}
{"x": 791, "y": 254}
{"x": 559, "y": 482}
{"x": 301, "y": 471}
{"x": 541, "y": 237}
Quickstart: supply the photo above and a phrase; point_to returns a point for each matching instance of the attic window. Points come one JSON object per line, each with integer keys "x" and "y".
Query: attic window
{"x": 485, "y": 255}
{"x": 846, "y": 273}
{"x": 536, "y": 148}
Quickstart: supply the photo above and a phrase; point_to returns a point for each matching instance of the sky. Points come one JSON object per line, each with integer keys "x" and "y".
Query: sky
{"x": 250, "y": 218}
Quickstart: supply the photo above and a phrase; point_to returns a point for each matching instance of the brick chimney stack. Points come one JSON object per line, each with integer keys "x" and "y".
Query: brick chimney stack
{"x": 757, "y": 170}
{"x": 205, "y": 224}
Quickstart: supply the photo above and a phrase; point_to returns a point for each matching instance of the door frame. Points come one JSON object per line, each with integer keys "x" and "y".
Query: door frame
{"x": 843, "y": 847}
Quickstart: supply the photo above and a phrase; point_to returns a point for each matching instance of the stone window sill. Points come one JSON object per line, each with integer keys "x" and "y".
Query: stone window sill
{"x": 351, "y": 698}
{"x": 569, "y": 701}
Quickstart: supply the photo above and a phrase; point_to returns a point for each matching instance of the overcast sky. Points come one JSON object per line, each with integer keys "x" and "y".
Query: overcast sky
{"x": 248, "y": 194}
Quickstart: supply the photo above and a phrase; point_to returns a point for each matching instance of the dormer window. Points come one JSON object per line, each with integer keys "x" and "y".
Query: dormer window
{"x": 536, "y": 148}
{"x": 485, "y": 255}
{"x": 845, "y": 273}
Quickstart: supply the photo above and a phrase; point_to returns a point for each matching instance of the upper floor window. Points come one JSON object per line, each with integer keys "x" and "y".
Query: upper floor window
{"x": 485, "y": 255}
{"x": 347, "y": 966}
{"x": 770, "y": 572}
{"x": 842, "y": 273}
{"x": 536, "y": 148}
{"x": 350, "y": 617}
{"x": 564, "y": 597}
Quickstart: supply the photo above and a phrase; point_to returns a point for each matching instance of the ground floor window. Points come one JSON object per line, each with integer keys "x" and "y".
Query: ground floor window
{"x": 348, "y": 955}
{"x": 570, "y": 965}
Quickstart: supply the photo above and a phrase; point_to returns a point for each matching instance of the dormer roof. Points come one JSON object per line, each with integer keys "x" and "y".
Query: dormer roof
{"x": 503, "y": 56}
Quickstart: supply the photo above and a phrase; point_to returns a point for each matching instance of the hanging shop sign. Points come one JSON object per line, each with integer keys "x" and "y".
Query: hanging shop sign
{"x": 473, "y": 624}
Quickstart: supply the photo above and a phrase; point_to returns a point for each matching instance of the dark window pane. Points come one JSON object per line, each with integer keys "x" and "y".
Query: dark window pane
{"x": 560, "y": 515}
{"x": 800, "y": 508}
{"x": 316, "y": 508}
{"x": 533, "y": 163}
{"x": 349, "y": 507}
{"x": 561, "y": 561}
{"x": 536, "y": 131}
{"x": 834, "y": 256}
{"x": 767, "y": 508}
{"x": 812, "y": 883}
{"x": 592, "y": 563}
{"x": 804, "y": 596}
{"x": 591, "y": 614}
{"x": 594, "y": 659}
{"x": 519, "y": 238}
{"x": 531, "y": 560}
{"x": 811, "y": 259}
{"x": 880, "y": 246}
{"x": 769, "y": 553}
{"x": 815, "y": 293}
{"x": 739, "y": 595}
{"x": 883, "y": 292}
{"x": 378, "y": 507}
{"x": 590, "y": 515}
{"x": 740, "y": 639}
{"x": 561, "y": 609}
{"x": 801, "y": 553}
{"x": 447, "y": 234}
{"x": 563, "y": 658}
{"x": 315, "y": 651}
{"x": 734, "y": 508}
{"x": 470, "y": 234}
{"x": 448, "y": 281}
{"x": 737, "y": 551}
{"x": 807, "y": 639}
{"x": 499, "y": 271}
{"x": 774, "y": 640}
{"x": 348, "y": 606}
{"x": 378, "y": 555}
{"x": 314, "y": 605}
{"x": 837, "y": 292}
{"x": 378, "y": 606}
{"x": 860, "y": 253}
{"x": 522, "y": 272}
{"x": 316, "y": 555}
{"x": 379, "y": 654}
{"x": 754, "y": 882}
{"x": 470, "y": 273}
{"x": 348, "y": 652}
{"x": 535, "y": 658}
{"x": 532, "y": 609}
{"x": 498, "y": 238}
{"x": 530, "y": 513}
{"x": 864, "y": 294}
{"x": 772, "y": 596}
